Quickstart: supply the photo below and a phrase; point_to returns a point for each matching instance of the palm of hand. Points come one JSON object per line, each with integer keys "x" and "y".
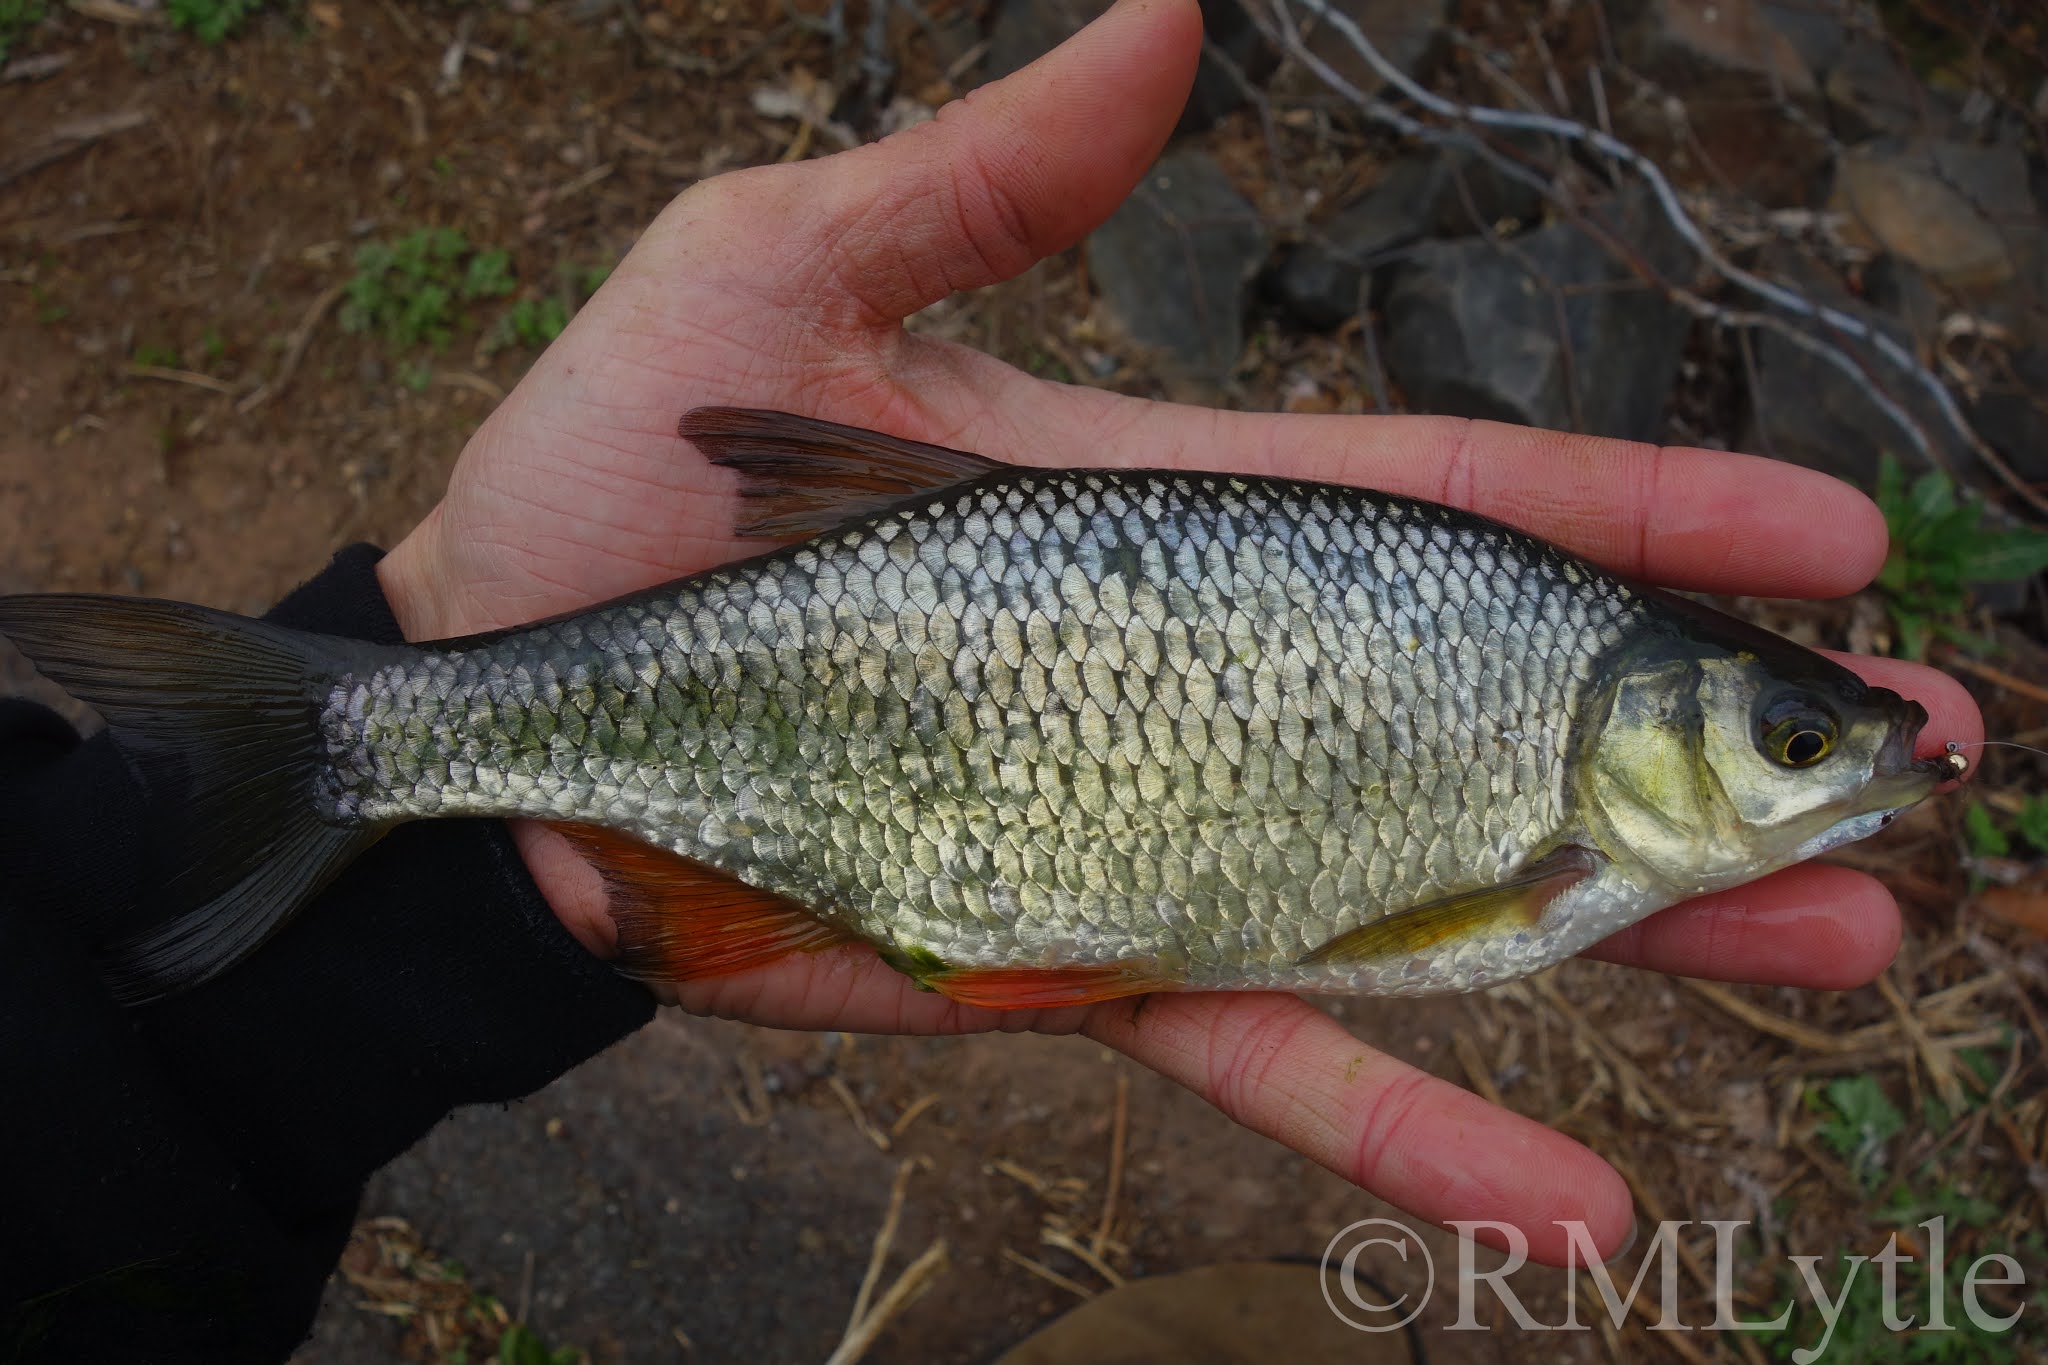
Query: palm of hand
{"x": 786, "y": 288}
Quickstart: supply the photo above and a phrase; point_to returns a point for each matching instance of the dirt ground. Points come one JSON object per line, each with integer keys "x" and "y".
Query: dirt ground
{"x": 708, "y": 1191}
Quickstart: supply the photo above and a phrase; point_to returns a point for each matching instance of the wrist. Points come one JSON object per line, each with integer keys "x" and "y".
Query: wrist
{"x": 404, "y": 578}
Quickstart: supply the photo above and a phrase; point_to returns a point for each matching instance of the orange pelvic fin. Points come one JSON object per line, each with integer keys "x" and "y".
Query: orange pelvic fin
{"x": 800, "y": 476}
{"x": 1016, "y": 988}
{"x": 679, "y": 920}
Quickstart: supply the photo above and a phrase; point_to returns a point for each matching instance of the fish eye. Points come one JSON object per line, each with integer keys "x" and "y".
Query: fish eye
{"x": 1797, "y": 733}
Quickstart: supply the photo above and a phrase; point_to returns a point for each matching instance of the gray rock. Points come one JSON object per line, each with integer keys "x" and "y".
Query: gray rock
{"x": 1320, "y": 283}
{"x": 1953, "y": 209}
{"x": 1445, "y": 193}
{"x": 1408, "y": 33}
{"x": 1819, "y": 30}
{"x": 1735, "y": 74}
{"x": 1866, "y": 78}
{"x": 1722, "y": 46}
{"x": 1176, "y": 259}
{"x": 1804, "y": 408}
{"x": 1025, "y": 30}
{"x": 2011, "y": 413}
{"x": 1473, "y": 330}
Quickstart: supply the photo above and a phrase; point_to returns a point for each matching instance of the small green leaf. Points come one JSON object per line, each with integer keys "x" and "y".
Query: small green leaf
{"x": 2003, "y": 557}
{"x": 2032, "y": 823}
{"x": 1987, "y": 840}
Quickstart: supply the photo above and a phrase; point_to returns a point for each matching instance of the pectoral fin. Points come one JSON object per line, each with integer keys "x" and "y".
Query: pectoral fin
{"x": 1518, "y": 902}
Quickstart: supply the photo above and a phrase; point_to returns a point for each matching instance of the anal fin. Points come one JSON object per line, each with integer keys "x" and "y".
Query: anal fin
{"x": 679, "y": 920}
{"x": 1519, "y": 901}
{"x": 1016, "y": 988}
{"x": 800, "y": 476}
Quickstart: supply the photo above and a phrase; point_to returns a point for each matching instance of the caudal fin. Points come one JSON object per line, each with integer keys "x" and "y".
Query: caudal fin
{"x": 220, "y": 715}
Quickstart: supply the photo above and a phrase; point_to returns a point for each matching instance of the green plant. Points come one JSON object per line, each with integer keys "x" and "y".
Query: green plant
{"x": 1857, "y": 1121}
{"x": 537, "y": 319}
{"x": 522, "y": 1346}
{"x": 16, "y": 18}
{"x": 166, "y": 357}
{"x": 1990, "y": 839}
{"x": 211, "y": 21}
{"x": 531, "y": 323}
{"x": 1940, "y": 548}
{"x": 409, "y": 292}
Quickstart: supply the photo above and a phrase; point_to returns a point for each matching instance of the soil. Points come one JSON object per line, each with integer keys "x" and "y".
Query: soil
{"x": 704, "y": 1191}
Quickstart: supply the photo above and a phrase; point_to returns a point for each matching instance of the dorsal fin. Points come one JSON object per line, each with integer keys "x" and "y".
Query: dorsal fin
{"x": 800, "y": 476}
{"x": 679, "y": 920}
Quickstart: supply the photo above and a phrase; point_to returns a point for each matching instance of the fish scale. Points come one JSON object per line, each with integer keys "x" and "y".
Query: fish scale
{"x": 1063, "y": 717}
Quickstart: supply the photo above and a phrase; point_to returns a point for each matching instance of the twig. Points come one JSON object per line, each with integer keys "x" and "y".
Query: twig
{"x": 294, "y": 351}
{"x": 192, "y": 377}
{"x": 1940, "y": 1064}
{"x": 860, "y": 1119}
{"x": 1118, "y": 1123}
{"x": 915, "y": 1279}
{"x": 1633, "y": 1081}
{"x": 67, "y": 138}
{"x": 911, "y": 1114}
{"x": 1467, "y": 1053}
{"x": 115, "y": 12}
{"x": 879, "y": 1254}
{"x": 2010, "y": 682}
{"x": 1055, "y": 1236}
{"x": 1048, "y": 1274}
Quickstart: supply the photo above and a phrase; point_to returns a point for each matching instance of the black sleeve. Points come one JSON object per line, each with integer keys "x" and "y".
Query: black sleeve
{"x": 177, "y": 1180}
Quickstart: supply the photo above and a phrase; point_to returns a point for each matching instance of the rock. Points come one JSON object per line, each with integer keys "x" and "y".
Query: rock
{"x": 1408, "y": 33}
{"x": 2011, "y": 413}
{"x": 1950, "y": 208}
{"x": 1025, "y": 30}
{"x": 1472, "y": 333}
{"x": 1734, "y": 75}
{"x": 1818, "y": 30}
{"x": 1805, "y": 409}
{"x": 1175, "y": 260}
{"x": 1871, "y": 90}
{"x": 1867, "y": 80}
{"x": 1727, "y": 46}
{"x": 1318, "y": 284}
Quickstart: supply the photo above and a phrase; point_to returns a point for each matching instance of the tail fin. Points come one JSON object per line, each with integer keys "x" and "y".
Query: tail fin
{"x": 220, "y": 715}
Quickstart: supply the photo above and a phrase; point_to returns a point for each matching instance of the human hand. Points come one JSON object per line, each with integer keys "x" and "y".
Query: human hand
{"x": 787, "y": 286}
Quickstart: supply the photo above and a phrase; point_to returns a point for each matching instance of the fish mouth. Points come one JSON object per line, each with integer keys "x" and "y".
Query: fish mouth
{"x": 1898, "y": 780}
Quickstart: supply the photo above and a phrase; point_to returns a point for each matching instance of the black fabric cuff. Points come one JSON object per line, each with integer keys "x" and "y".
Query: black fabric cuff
{"x": 219, "y": 1140}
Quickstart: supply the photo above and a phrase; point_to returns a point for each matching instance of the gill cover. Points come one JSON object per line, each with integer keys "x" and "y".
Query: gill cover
{"x": 1718, "y": 754}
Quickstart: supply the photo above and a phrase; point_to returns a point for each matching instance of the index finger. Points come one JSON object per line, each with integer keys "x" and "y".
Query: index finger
{"x": 1703, "y": 520}
{"x": 1282, "y": 1067}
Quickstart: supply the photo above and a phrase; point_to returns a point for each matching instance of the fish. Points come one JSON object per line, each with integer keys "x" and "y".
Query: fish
{"x": 1038, "y": 736}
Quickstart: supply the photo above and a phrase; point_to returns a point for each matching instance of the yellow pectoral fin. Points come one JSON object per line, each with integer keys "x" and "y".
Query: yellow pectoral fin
{"x": 1517, "y": 902}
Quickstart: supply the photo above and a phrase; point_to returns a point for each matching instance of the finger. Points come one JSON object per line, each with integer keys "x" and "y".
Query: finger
{"x": 1704, "y": 520}
{"x": 1952, "y": 714}
{"x": 1824, "y": 927}
{"x": 1020, "y": 169}
{"x": 1284, "y": 1068}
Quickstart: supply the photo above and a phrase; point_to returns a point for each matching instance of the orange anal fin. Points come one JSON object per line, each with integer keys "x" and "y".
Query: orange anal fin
{"x": 1016, "y": 988}
{"x": 679, "y": 920}
{"x": 800, "y": 476}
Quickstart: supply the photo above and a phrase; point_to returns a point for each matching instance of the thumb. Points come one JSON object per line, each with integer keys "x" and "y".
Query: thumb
{"x": 1019, "y": 169}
